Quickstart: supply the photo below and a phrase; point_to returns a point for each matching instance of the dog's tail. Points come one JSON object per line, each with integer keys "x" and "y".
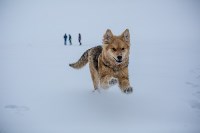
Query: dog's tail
{"x": 82, "y": 61}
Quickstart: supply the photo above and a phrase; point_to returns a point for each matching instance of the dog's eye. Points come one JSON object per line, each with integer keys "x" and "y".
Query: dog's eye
{"x": 122, "y": 48}
{"x": 113, "y": 49}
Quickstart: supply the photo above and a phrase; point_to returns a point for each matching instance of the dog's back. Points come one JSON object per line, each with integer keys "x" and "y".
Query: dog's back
{"x": 91, "y": 55}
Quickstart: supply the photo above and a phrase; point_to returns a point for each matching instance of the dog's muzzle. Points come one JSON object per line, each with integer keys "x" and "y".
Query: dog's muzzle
{"x": 119, "y": 59}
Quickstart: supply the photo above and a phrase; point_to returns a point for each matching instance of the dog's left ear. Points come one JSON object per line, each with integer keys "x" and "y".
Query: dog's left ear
{"x": 126, "y": 36}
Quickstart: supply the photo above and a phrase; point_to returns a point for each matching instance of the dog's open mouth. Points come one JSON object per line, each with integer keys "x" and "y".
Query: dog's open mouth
{"x": 118, "y": 61}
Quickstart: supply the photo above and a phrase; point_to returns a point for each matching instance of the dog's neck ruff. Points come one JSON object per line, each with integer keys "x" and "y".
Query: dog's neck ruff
{"x": 115, "y": 68}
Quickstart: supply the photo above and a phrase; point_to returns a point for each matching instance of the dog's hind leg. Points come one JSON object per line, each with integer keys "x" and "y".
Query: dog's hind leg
{"x": 94, "y": 75}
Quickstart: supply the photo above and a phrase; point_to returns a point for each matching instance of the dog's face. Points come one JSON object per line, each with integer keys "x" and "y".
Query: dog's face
{"x": 116, "y": 48}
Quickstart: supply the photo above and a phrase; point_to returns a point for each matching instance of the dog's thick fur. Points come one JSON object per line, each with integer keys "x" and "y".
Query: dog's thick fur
{"x": 109, "y": 63}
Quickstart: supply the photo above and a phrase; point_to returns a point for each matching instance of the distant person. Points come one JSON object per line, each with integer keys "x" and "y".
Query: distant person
{"x": 65, "y": 38}
{"x": 79, "y": 38}
{"x": 70, "y": 39}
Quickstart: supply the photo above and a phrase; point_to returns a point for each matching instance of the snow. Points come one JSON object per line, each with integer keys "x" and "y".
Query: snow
{"x": 40, "y": 93}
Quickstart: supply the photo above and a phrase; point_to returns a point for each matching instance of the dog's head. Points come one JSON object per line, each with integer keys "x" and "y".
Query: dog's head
{"x": 116, "y": 48}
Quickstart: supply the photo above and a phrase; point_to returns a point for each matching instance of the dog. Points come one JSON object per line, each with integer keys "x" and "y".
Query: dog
{"x": 108, "y": 63}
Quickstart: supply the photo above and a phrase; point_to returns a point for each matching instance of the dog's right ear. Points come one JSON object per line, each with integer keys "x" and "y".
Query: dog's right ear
{"x": 107, "y": 38}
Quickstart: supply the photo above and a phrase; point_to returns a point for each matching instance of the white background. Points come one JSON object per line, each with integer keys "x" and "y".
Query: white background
{"x": 40, "y": 93}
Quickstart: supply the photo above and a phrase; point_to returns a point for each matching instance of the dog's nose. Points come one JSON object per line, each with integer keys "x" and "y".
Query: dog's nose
{"x": 119, "y": 57}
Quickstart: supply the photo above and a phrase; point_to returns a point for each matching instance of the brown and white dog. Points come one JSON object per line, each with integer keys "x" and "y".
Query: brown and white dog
{"x": 109, "y": 63}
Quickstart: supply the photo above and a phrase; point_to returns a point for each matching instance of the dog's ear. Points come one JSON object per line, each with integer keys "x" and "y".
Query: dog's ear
{"x": 126, "y": 36}
{"x": 107, "y": 38}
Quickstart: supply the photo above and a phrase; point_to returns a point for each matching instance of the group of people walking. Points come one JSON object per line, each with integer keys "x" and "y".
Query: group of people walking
{"x": 70, "y": 39}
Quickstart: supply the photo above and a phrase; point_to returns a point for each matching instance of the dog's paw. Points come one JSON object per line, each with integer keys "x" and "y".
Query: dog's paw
{"x": 128, "y": 90}
{"x": 113, "y": 81}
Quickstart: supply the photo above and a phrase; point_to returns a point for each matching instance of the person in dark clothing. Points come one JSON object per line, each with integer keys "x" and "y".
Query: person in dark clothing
{"x": 65, "y": 38}
{"x": 79, "y": 38}
{"x": 70, "y": 39}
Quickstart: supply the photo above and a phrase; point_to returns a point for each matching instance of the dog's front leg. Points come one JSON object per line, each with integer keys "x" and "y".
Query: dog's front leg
{"x": 125, "y": 85}
{"x": 107, "y": 81}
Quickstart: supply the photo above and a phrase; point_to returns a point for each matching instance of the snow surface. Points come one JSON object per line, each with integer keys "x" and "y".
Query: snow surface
{"x": 40, "y": 93}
